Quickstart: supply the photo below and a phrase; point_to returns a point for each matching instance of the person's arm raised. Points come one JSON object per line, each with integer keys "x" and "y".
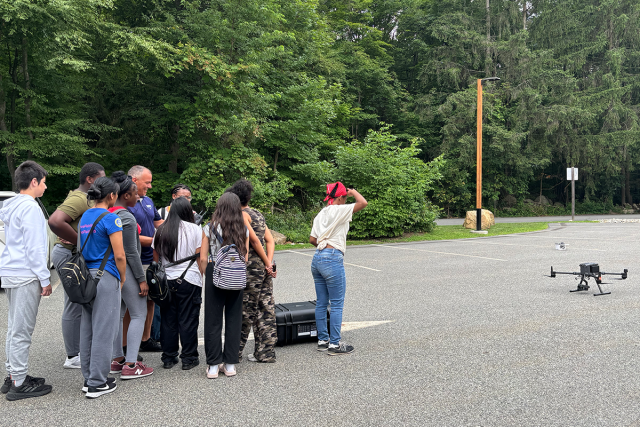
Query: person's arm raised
{"x": 361, "y": 202}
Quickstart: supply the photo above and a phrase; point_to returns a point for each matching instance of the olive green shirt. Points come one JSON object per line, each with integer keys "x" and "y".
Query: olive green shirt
{"x": 75, "y": 205}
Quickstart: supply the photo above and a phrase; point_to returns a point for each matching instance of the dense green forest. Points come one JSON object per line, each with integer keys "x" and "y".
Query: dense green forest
{"x": 297, "y": 93}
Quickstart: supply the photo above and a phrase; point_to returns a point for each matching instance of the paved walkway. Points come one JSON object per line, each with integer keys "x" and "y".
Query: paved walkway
{"x": 447, "y": 333}
{"x": 460, "y": 221}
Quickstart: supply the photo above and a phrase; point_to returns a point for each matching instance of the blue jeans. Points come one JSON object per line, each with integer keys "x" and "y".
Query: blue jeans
{"x": 331, "y": 284}
{"x": 156, "y": 324}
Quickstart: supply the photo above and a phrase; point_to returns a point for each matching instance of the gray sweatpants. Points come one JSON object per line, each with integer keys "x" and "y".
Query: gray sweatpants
{"x": 23, "y": 309}
{"x": 99, "y": 327}
{"x": 72, "y": 312}
{"x": 137, "y": 306}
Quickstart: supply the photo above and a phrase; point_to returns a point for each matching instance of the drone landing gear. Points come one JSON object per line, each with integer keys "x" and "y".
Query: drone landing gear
{"x": 584, "y": 286}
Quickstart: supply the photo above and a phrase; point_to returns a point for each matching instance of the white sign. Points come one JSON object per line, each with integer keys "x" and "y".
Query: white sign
{"x": 575, "y": 174}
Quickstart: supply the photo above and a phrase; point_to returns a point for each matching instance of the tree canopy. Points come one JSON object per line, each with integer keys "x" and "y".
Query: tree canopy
{"x": 292, "y": 94}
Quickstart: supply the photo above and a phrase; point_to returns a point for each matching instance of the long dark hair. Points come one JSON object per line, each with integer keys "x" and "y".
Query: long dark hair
{"x": 228, "y": 215}
{"x": 166, "y": 240}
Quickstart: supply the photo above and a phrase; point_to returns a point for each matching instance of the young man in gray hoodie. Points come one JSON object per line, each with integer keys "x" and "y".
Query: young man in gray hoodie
{"x": 25, "y": 277}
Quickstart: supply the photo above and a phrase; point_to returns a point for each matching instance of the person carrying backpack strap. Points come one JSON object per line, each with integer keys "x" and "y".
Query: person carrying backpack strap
{"x": 226, "y": 238}
{"x": 176, "y": 239}
{"x": 99, "y": 326}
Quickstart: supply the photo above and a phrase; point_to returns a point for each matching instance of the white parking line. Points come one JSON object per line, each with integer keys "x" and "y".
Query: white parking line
{"x": 443, "y": 253}
{"x": 346, "y": 263}
{"x": 529, "y": 246}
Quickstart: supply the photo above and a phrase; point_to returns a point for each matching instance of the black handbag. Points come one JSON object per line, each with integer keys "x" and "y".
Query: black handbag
{"x": 76, "y": 279}
{"x": 157, "y": 279}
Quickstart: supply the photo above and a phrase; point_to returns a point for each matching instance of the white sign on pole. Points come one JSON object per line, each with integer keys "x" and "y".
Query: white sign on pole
{"x": 575, "y": 174}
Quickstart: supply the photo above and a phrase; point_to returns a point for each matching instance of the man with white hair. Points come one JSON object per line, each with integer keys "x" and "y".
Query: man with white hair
{"x": 148, "y": 219}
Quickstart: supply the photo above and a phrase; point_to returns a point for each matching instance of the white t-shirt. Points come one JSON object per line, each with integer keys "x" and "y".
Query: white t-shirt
{"x": 331, "y": 225}
{"x": 189, "y": 240}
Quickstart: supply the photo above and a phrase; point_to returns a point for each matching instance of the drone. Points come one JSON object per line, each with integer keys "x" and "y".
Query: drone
{"x": 587, "y": 271}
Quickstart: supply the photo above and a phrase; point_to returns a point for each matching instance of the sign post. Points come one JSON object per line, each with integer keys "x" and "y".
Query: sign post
{"x": 572, "y": 174}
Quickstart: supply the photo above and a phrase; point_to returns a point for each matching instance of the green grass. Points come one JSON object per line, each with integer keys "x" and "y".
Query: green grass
{"x": 441, "y": 232}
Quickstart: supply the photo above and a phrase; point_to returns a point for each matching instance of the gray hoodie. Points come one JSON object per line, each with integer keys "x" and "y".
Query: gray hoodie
{"x": 25, "y": 254}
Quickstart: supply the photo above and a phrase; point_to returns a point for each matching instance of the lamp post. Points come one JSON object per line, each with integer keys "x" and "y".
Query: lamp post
{"x": 481, "y": 83}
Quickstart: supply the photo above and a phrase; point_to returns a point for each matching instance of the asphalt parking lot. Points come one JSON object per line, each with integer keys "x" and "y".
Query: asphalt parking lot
{"x": 448, "y": 333}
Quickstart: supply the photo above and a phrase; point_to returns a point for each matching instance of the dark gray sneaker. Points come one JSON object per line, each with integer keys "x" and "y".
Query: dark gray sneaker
{"x": 323, "y": 345}
{"x": 7, "y": 383}
{"x": 341, "y": 348}
{"x": 31, "y": 387}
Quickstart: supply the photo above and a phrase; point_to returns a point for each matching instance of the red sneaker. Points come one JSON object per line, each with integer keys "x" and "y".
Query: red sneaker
{"x": 138, "y": 370}
{"x": 116, "y": 367}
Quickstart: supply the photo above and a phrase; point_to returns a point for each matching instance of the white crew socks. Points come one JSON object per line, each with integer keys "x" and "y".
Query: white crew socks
{"x": 18, "y": 383}
{"x": 229, "y": 368}
{"x": 213, "y": 369}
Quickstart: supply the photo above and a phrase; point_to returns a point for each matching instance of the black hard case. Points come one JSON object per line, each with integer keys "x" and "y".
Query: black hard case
{"x": 296, "y": 322}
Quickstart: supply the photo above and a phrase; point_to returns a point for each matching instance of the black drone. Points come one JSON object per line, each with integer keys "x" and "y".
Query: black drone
{"x": 590, "y": 270}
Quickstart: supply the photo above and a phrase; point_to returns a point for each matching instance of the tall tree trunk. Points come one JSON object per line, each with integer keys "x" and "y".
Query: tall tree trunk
{"x": 14, "y": 78}
{"x": 175, "y": 148}
{"x": 628, "y": 186}
{"x": 3, "y": 128}
{"x": 487, "y": 61}
{"x": 27, "y": 89}
{"x": 623, "y": 193}
{"x": 275, "y": 162}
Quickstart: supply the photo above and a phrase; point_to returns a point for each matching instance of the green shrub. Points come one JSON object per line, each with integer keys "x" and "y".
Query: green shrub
{"x": 394, "y": 181}
{"x": 293, "y": 223}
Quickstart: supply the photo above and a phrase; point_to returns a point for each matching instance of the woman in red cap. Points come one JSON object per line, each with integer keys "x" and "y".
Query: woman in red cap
{"x": 329, "y": 235}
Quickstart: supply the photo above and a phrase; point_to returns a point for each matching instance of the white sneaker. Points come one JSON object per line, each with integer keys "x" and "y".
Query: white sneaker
{"x": 73, "y": 363}
{"x": 229, "y": 369}
{"x": 212, "y": 371}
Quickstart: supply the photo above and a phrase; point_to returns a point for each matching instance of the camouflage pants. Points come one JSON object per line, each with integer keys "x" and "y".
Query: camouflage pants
{"x": 258, "y": 311}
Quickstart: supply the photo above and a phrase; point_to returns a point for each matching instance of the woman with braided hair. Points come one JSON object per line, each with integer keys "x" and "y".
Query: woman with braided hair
{"x": 178, "y": 190}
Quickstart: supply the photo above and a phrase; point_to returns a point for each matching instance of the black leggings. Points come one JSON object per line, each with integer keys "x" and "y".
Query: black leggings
{"x": 216, "y": 301}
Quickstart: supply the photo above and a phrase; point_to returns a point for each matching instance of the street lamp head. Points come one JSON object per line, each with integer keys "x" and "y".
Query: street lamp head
{"x": 489, "y": 79}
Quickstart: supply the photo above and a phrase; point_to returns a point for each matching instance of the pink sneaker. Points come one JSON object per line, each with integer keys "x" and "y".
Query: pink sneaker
{"x": 138, "y": 370}
{"x": 116, "y": 367}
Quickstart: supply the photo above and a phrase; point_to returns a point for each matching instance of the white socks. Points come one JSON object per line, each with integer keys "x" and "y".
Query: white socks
{"x": 18, "y": 383}
{"x": 229, "y": 368}
{"x": 213, "y": 369}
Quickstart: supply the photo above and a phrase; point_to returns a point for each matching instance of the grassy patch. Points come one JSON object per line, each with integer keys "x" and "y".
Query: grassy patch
{"x": 442, "y": 232}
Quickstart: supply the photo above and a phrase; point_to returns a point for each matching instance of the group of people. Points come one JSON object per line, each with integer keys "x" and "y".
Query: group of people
{"x": 119, "y": 232}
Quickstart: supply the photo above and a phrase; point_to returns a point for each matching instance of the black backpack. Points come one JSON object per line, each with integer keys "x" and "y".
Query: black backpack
{"x": 76, "y": 279}
{"x": 157, "y": 279}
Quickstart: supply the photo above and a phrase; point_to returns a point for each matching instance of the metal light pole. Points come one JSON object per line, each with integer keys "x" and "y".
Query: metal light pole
{"x": 479, "y": 153}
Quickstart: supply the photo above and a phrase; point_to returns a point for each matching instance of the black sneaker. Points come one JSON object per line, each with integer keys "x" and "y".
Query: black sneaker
{"x": 94, "y": 392}
{"x": 124, "y": 351}
{"x": 323, "y": 345}
{"x": 341, "y": 348}
{"x": 85, "y": 388}
{"x": 170, "y": 363}
{"x": 6, "y": 386}
{"x": 7, "y": 383}
{"x": 31, "y": 387}
{"x": 150, "y": 345}
{"x": 187, "y": 366}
